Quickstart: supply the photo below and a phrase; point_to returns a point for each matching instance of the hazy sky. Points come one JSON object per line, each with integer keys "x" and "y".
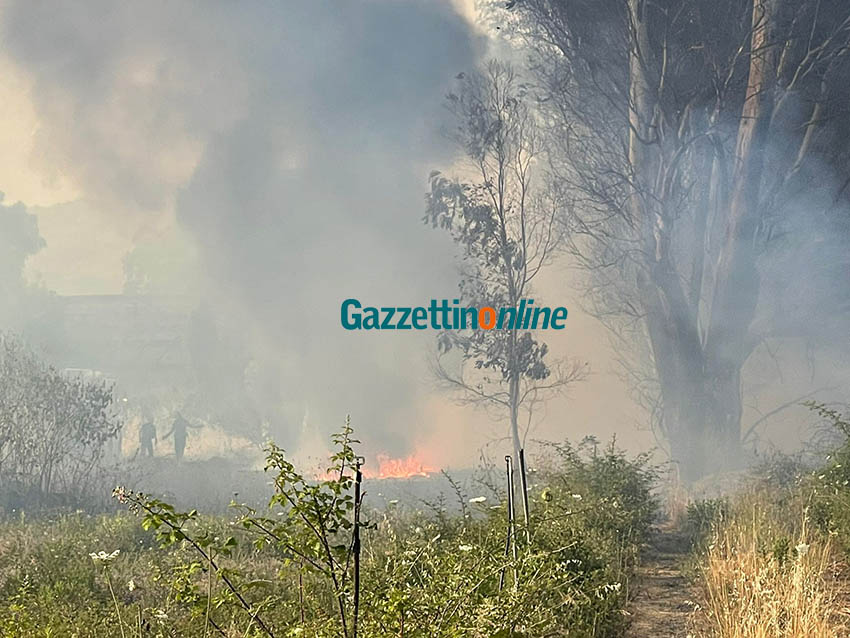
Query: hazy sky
{"x": 286, "y": 146}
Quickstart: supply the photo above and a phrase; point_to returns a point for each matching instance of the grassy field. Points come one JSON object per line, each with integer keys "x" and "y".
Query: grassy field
{"x": 426, "y": 570}
{"x": 769, "y": 560}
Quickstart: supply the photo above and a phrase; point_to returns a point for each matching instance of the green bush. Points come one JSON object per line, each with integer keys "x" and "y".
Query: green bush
{"x": 829, "y": 486}
{"x": 702, "y": 516}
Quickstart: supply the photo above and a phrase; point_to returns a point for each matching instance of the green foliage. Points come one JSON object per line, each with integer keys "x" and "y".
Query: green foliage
{"x": 505, "y": 234}
{"x": 502, "y": 219}
{"x": 703, "y": 515}
{"x": 782, "y": 471}
{"x": 829, "y": 486}
{"x": 287, "y": 570}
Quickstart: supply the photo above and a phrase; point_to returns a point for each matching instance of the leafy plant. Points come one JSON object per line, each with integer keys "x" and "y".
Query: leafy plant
{"x": 308, "y": 523}
{"x": 53, "y": 427}
{"x": 703, "y": 515}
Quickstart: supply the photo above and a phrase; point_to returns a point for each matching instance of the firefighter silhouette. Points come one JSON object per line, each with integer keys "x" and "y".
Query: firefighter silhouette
{"x": 180, "y": 430}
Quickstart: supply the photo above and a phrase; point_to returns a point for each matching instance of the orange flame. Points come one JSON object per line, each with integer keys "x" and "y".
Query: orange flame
{"x": 397, "y": 468}
{"x": 385, "y": 467}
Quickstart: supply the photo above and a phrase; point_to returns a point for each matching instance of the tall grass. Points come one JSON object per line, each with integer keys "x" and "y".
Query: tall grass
{"x": 768, "y": 575}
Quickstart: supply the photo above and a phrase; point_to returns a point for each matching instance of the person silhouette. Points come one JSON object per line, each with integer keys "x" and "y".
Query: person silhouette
{"x": 180, "y": 430}
{"x": 147, "y": 437}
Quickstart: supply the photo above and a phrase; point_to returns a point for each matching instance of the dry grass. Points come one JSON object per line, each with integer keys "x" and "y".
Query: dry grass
{"x": 674, "y": 497}
{"x": 764, "y": 577}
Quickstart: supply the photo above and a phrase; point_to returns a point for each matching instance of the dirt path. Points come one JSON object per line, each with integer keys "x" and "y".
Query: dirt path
{"x": 662, "y": 604}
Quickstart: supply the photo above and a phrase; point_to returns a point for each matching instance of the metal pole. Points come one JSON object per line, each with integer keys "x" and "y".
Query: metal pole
{"x": 358, "y": 479}
{"x": 523, "y": 480}
{"x": 509, "y": 476}
{"x": 512, "y": 514}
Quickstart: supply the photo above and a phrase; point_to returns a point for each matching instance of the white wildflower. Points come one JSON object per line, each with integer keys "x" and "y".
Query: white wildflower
{"x": 102, "y": 558}
{"x": 577, "y": 497}
{"x": 465, "y": 548}
{"x": 607, "y": 588}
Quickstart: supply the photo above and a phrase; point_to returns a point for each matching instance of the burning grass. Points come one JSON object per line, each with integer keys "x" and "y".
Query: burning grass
{"x": 407, "y": 467}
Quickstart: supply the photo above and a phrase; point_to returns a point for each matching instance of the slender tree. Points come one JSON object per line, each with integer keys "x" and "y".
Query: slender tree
{"x": 503, "y": 219}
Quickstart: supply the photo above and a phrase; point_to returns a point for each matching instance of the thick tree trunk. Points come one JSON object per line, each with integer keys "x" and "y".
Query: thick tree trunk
{"x": 728, "y": 341}
{"x": 737, "y": 283}
{"x": 700, "y": 381}
{"x": 670, "y": 321}
{"x": 704, "y": 426}
{"x": 680, "y": 369}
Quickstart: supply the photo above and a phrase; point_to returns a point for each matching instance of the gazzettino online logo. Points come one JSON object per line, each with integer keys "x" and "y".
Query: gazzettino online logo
{"x": 442, "y": 315}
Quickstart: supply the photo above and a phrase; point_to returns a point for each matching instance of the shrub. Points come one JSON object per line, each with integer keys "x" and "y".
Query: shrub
{"x": 829, "y": 486}
{"x": 53, "y": 429}
{"x": 702, "y": 516}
